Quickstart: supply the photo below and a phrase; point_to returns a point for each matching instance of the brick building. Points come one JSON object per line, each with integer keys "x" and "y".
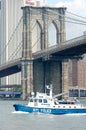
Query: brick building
{"x": 77, "y": 77}
{"x": 81, "y": 74}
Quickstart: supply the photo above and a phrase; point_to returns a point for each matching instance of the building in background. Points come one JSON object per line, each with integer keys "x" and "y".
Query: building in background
{"x": 11, "y": 33}
{"x": 77, "y": 78}
{"x": 10, "y": 14}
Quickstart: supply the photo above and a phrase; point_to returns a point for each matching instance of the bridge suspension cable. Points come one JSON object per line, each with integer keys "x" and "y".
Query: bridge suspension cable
{"x": 68, "y": 20}
{"x": 18, "y": 48}
{"x": 15, "y": 52}
{"x": 76, "y": 15}
{"x": 15, "y": 34}
{"x": 13, "y": 41}
{"x": 74, "y": 20}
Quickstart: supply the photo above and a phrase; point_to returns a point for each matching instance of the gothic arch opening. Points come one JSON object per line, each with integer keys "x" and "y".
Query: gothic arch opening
{"x": 52, "y": 34}
{"x": 36, "y": 36}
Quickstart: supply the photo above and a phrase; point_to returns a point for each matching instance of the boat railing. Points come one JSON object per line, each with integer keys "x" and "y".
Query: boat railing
{"x": 61, "y": 94}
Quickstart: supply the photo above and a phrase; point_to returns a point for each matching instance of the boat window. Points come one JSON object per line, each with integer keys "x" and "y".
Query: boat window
{"x": 40, "y": 100}
{"x": 58, "y": 106}
{"x": 35, "y": 100}
{"x": 74, "y": 106}
{"x": 55, "y": 103}
{"x": 69, "y": 106}
{"x": 63, "y": 106}
{"x": 44, "y": 100}
{"x": 31, "y": 100}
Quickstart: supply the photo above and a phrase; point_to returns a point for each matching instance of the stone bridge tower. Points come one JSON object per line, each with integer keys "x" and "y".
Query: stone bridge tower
{"x": 37, "y": 36}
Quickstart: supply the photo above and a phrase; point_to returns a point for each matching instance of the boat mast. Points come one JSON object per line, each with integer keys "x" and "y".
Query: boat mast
{"x": 50, "y": 89}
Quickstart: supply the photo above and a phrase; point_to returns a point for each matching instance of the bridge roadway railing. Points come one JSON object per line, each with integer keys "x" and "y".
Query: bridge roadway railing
{"x": 67, "y": 44}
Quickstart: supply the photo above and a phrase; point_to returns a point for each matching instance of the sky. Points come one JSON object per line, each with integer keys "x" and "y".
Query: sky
{"x": 77, "y": 7}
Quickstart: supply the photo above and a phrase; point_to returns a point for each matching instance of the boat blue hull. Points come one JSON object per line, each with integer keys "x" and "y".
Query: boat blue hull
{"x": 25, "y": 108}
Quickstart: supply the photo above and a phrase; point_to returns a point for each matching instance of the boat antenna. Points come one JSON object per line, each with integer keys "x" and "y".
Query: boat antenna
{"x": 50, "y": 90}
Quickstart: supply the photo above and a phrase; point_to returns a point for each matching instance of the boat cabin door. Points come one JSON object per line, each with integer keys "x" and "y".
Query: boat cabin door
{"x": 35, "y": 102}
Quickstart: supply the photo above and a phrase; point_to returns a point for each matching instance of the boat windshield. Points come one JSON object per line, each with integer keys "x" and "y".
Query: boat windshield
{"x": 66, "y": 102}
{"x": 44, "y": 101}
{"x": 31, "y": 100}
{"x": 38, "y": 100}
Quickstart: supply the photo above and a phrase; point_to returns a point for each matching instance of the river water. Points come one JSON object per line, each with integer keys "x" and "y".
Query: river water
{"x": 11, "y": 120}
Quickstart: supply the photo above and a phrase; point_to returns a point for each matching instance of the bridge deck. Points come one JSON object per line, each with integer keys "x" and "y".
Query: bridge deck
{"x": 68, "y": 49}
{"x": 71, "y": 48}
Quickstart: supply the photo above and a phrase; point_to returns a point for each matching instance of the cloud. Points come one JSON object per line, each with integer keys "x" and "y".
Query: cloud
{"x": 75, "y": 6}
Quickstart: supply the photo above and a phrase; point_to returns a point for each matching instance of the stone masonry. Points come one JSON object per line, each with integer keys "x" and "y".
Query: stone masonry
{"x": 36, "y": 74}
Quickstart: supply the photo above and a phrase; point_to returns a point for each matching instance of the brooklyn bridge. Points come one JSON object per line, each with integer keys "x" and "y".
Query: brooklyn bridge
{"x": 39, "y": 63}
